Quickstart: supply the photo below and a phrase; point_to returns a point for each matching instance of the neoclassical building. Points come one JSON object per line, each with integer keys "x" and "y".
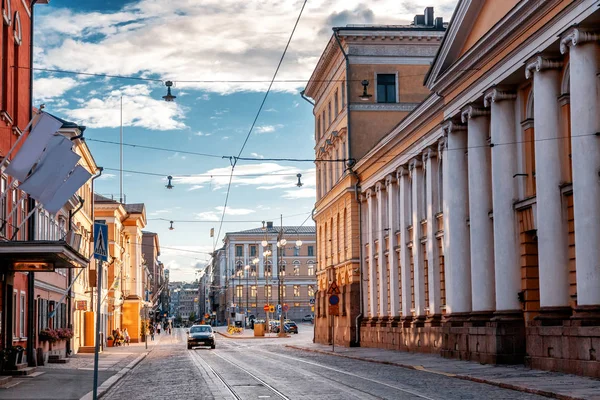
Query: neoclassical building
{"x": 479, "y": 218}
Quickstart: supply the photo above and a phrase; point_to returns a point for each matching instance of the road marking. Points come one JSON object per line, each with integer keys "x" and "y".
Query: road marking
{"x": 350, "y": 374}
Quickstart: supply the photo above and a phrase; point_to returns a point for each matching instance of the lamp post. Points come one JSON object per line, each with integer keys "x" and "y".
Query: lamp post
{"x": 255, "y": 262}
{"x": 247, "y": 268}
{"x": 266, "y": 254}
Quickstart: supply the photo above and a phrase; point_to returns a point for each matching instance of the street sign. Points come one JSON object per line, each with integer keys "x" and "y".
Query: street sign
{"x": 334, "y": 299}
{"x": 334, "y": 309}
{"x": 286, "y": 308}
{"x": 266, "y": 307}
{"x": 81, "y": 305}
{"x": 312, "y": 308}
{"x": 100, "y": 241}
{"x": 312, "y": 302}
{"x": 278, "y": 308}
{"x": 271, "y": 308}
{"x": 333, "y": 289}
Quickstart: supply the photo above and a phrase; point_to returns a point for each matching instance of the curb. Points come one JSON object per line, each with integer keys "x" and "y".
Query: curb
{"x": 110, "y": 382}
{"x": 503, "y": 385}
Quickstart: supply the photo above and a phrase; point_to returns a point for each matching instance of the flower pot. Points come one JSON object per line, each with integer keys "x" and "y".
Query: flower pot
{"x": 110, "y": 342}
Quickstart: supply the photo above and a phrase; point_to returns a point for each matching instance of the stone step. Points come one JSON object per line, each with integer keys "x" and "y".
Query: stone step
{"x": 5, "y": 380}
{"x": 20, "y": 372}
{"x": 11, "y": 383}
{"x": 57, "y": 360}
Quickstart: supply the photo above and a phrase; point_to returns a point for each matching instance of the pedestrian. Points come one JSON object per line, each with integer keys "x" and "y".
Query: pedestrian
{"x": 151, "y": 332}
{"x": 158, "y": 328}
{"x": 126, "y": 336}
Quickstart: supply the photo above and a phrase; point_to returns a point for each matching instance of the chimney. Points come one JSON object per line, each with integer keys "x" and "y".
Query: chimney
{"x": 428, "y": 14}
{"x": 269, "y": 224}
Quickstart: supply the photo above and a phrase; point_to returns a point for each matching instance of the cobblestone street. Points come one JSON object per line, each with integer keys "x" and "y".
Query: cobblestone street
{"x": 266, "y": 368}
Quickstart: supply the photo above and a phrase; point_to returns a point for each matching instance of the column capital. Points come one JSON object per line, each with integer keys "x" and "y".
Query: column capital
{"x": 449, "y": 127}
{"x": 369, "y": 194}
{"x": 495, "y": 95}
{"x": 471, "y": 112}
{"x": 575, "y": 36}
{"x": 429, "y": 153}
{"x": 389, "y": 180}
{"x": 401, "y": 171}
{"x": 379, "y": 187}
{"x": 540, "y": 63}
{"x": 414, "y": 163}
{"x": 442, "y": 145}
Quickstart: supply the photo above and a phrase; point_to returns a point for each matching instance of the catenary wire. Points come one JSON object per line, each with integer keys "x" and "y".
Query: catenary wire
{"x": 197, "y": 175}
{"x": 256, "y": 118}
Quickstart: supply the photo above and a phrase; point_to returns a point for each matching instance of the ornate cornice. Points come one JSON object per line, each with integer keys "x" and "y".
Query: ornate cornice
{"x": 575, "y": 36}
{"x": 379, "y": 187}
{"x": 414, "y": 163}
{"x": 408, "y": 107}
{"x": 443, "y": 142}
{"x": 369, "y": 194}
{"x": 471, "y": 112}
{"x": 495, "y": 95}
{"x": 451, "y": 127}
{"x": 540, "y": 63}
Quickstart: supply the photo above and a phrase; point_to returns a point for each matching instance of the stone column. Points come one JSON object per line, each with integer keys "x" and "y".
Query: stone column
{"x": 483, "y": 285}
{"x": 382, "y": 292}
{"x": 504, "y": 167}
{"x": 585, "y": 153}
{"x": 392, "y": 192}
{"x": 551, "y": 221}
{"x": 456, "y": 213}
{"x": 405, "y": 218}
{"x": 433, "y": 259}
{"x": 416, "y": 174}
{"x": 246, "y": 254}
{"x": 371, "y": 255}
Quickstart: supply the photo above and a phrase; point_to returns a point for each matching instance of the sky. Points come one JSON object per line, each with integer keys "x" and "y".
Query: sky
{"x": 202, "y": 46}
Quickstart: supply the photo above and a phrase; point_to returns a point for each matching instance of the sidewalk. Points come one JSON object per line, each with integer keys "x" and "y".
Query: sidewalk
{"x": 551, "y": 384}
{"x": 74, "y": 380}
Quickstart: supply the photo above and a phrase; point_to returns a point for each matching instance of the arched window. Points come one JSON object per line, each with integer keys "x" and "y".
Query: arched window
{"x": 311, "y": 268}
{"x": 6, "y": 12}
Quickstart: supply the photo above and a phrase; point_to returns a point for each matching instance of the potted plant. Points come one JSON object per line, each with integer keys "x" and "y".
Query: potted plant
{"x": 110, "y": 340}
{"x": 48, "y": 335}
{"x": 64, "y": 333}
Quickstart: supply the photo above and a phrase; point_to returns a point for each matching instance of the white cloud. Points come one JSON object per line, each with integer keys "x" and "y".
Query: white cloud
{"x": 256, "y": 155}
{"x": 204, "y": 97}
{"x": 301, "y": 193}
{"x": 218, "y": 213}
{"x": 48, "y": 88}
{"x": 267, "y": 128}
{"x": 202, "y": 134}
{"x": 270, "y": 110}
{"x": 235, "y": 211}
{"x": 106, "y": 177}
{"x": 226, "y": 45}
{"x": 140, "y": 109}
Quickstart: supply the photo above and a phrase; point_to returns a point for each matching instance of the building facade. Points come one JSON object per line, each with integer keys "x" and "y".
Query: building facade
{"x": 250, "y": 278}
{"x": 367, "y": 80}
{"x": 479, "y": 230}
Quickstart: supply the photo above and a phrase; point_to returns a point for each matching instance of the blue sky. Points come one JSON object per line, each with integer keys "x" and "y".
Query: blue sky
{"x": 197, "y": 40}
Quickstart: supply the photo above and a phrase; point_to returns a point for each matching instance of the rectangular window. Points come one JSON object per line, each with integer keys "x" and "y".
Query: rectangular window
{"x": 311, "y": 269}
{"x": 297, "y": 270}
{"x": 22, "y": 222}
{"x": 14, "y": 314}
{"x": 283, "y": 290}
{"x": 268, "y": 291}
{"x": 239, "y": 291}
{"x": 336, "y": 103}
{"x": 282, "y": 270}
{"x": 329, "y": 111}
{"x": 22, "y": 315}
{"x": 311, "y": 291}
{"x": 323, "y": 122}
{"x": 311, "y": 251}
{"x": 239, "y": 251}
{"x": 253, "y": 291}
{"x": 343, "y": 94}
{"x": 318, "y": 128}
{"x": 386, "y": 88}
{"x": 296, "y": 251}
{"x": 253, "y": 250}
{"x": 296, "y": 291}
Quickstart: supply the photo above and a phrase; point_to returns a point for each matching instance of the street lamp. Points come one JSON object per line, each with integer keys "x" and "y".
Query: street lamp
{"x": 255, "y": 262}
{"x": 247, "y": 268}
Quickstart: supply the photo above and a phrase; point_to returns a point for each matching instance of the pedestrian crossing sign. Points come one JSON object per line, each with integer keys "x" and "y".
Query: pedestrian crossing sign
{"x": 100, "y": 241}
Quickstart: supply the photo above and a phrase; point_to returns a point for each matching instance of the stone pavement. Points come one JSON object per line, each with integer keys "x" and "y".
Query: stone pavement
{"x": 550, "y": 384}
{"x": 74, "y": 379}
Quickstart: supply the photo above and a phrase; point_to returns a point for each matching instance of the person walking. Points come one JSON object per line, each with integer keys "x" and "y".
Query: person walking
{"x": 152, "y": 332}
{"x": 126, "y": 337}
{"x": 158, "y": 328}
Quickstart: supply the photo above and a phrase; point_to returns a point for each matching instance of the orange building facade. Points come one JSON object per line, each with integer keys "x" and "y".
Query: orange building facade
{"x": 477, "y": 220}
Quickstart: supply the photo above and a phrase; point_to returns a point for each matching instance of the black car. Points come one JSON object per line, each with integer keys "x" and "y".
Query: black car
{"x": 290, "y": 327}
{"x": 201, "y": 335}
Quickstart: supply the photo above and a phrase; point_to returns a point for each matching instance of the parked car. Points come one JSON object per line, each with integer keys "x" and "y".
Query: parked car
{"x": 308, "y": 318}
{"x": 290, "y": 327}
{"x": 200, "y": 335}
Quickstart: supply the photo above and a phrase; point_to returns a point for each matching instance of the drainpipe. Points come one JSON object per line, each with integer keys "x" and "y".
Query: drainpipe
{"x": 350, "y": 165}
{"x": 31, "y": 337}
{"x": 306, "y": 98}
{"x": 70, "y": 279}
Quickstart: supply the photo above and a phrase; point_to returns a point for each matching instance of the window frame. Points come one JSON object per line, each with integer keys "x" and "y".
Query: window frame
{"x": 396, "y": 92}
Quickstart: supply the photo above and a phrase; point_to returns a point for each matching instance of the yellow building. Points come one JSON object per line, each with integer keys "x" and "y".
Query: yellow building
{"x": 126, "y": 271}
{"x": 377, "y": 71}
{"x": 478, "y": 223}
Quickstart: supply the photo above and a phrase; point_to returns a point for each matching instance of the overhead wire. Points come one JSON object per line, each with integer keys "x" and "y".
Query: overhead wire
{"x": 198, "y": 175}
{"x": 234, "y": 162}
